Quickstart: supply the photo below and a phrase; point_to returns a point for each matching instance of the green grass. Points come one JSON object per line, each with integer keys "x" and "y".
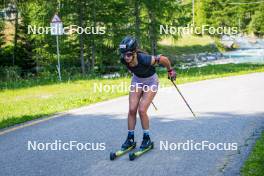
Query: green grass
{"x": 187, "y": 40}
{"x": 254, "y": 165}
{"x": 188, "y": 44}
{"x": 20, "y": 104}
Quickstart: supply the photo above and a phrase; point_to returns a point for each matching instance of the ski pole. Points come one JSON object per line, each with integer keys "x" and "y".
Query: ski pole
{"x": 154, "y": 106}
{"x": 183, "y": 98}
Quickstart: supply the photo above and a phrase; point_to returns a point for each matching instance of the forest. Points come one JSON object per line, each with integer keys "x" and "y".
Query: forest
{"x": 24, "y": 54}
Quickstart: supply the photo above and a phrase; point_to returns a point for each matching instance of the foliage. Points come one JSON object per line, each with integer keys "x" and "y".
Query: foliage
{"x": 98, "y": 54}
{"x": 225, "y": 13}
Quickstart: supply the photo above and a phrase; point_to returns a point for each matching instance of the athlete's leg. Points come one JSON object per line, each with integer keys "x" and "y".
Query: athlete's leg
{"x": 144, "y": 103}
{"x": 134, "y": 98}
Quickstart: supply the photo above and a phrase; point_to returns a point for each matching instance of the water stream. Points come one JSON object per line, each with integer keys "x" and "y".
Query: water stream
{"x": 250, "y": 50}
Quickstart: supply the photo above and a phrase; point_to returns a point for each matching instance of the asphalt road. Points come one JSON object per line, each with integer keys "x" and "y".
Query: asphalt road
{"x": 230, "y": 110}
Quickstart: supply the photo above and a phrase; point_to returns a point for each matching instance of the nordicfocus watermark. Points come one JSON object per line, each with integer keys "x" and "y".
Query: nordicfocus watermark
{"x": 58, "y": 145}
{"x": 123, "y": 87}
{"x": 190, "y": 145}
{"x": 198, "y": 30}
{"x": 72, "y": 29}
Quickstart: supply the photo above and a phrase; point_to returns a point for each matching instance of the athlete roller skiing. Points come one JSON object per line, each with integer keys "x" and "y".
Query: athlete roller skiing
{"x": 144, "y": 86}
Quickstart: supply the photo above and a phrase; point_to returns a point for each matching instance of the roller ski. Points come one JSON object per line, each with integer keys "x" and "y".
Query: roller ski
{"x": 146, "y": 146}
{"x": 128, "y": 145}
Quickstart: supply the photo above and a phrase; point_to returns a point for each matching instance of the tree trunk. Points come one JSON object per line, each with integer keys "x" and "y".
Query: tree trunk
{"x": 81, "y": 43}
{"x": 93, "y": 38}
{"x": 15, "y": 36}
{"x": 137, "y": 20}
{"x": 152, "y": 32}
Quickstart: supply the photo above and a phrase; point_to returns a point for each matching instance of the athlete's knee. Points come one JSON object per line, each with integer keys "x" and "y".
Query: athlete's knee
{"x": 142, "y": 111}
{"x": 132, "y": 111}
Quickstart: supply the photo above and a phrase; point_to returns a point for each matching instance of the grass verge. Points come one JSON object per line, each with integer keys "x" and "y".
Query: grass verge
{"x": 23, "y": 104}
{"x": 254, "y": 165}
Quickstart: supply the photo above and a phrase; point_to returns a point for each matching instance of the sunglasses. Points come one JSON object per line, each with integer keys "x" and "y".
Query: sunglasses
{"x": 128, "y": 54}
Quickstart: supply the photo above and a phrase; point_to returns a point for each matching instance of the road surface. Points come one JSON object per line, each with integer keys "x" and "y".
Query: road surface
{"x": 230, "y": 110}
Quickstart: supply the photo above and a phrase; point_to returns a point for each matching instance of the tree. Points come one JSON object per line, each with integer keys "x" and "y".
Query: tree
{"x": 137, "y": 20}
{"x": 222, "y": 13}
{"x": 81, "y": 16}
{"x": 2, "y": 27}
{"x": 257, "y": 23}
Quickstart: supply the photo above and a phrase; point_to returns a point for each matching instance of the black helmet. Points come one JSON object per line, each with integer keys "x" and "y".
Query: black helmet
{"x": 128, "y": 44}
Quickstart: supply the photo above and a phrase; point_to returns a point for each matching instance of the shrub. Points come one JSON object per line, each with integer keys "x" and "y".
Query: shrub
{"x": 10, "y": 73}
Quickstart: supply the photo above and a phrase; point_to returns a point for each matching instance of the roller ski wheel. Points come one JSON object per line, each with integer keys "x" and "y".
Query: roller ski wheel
{"x": 132, "y": 156}
{"x": 112, "y": 156}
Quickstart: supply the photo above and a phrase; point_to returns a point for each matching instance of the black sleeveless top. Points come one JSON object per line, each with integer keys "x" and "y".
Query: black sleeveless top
{"x": 144, "y": 68}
